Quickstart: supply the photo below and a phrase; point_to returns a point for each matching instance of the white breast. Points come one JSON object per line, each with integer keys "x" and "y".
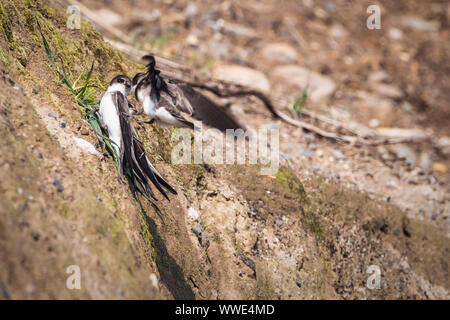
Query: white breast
{"x": 110, "y": 118}
{"x": 165, "y": 119}
{"x": 149, "y": 106}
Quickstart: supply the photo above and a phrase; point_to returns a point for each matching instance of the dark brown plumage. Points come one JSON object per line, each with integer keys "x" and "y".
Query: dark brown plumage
{"x": 134, "y": 157}
{"x": 180, "y": 100}
{"x": 133, "y": 161}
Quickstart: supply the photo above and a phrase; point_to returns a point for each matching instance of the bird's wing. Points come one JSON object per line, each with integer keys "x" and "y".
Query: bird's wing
{"x": 179, "y": 100}
{"x": 131, "y": 163}
{"x": 148, "y": 168}
{"x": 135, "y": 158}
{"x": 127, "y": 150}
{"x": 183, "y": 117}
{"x": 208, "y": 111}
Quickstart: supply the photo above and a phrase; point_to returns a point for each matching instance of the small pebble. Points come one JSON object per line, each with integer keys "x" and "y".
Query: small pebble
{"x": 35, "y": 91}
{"x": 306, "y": 153}
{"x": 439, "y": 167}
{"x": 36, "y": 236}
{"x": 193, "y": 214}
{"x": 204, "y": 241}
{"x": 338, "y": 154}
{"x": 197, "y": 230}
{"x": 58, "y": 185}
{"x": 63, "y": 125}
{"x": 279, "y": 222}
{"x": 299, "y": 284}
{"x": 98, "y": 198}
{"x": 39, "y": 154}
{"x": 5, "y": 292}
{"x": 19, "y": 88}
{"x": 29, "y": 288}
{"x": 20, "y": 191}
{"x": 52, "y": 115}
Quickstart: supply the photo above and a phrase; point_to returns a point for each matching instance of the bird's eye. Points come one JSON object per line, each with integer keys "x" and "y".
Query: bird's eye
{"x": 119, "y": 80}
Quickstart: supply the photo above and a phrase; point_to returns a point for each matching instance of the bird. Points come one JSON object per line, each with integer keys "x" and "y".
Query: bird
{"x": 163, "y": 101}
{"x": 175, "y": 103}
{"x": 116, "y": 114}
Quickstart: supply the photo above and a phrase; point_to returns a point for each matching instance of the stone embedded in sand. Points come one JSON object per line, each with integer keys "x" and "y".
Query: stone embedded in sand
{"x": 191, "y": 10}
{"x": 338, "y": 31}
{"x": 404, "y": 152}
{"x": 439, "y": 167}
{"x": 319, "y": 86}
{"x": 402, "y": 133}
{"x": 86, "y": 146}
{"x": 387, "y": 90}
{"x": 378, "y": 76}
{"x": 193, "y": 214}
{"x": 419, "y": 24}
{"x": 425, "y": 161}
{"x": 197, "y": 230}
{"x": 280, "y": 52}
{"x": 242, "y": 75}
{"x": 108, "y": 16}
{"x": 59, "y": 185}
{"x": 395, "y": 34}
{"x": 238, "y": 30}
{"x": 444, "y": 145}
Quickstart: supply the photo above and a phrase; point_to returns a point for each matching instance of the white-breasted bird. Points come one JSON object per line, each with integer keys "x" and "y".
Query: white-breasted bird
{"x": 164, "y": 102}
{"x": 116, "y": 116}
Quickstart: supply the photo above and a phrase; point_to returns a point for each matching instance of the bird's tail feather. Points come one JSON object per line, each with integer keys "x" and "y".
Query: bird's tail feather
{"x": 134, "y": 159}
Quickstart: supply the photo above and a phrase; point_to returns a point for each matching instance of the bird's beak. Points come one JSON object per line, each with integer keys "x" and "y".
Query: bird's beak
{"x": 133, "y": 89}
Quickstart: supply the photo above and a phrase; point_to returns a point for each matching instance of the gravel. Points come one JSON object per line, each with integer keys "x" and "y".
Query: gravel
{"x": 58, "y": 185}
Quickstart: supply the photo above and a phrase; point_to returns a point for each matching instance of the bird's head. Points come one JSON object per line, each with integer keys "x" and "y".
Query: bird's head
{"x": 136, "y": 79}
{"x": 120, "y": 83}
{"x": 150, "y": 60}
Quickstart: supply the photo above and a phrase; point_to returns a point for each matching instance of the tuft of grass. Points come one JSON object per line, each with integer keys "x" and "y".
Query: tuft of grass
{"x": 84, "y": 95}
{"x": 300, "y": 102}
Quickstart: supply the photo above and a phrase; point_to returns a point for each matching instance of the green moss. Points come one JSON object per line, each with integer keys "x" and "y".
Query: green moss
{"x": 30, "y": 20}
{"x": 5, "y": 25}
{"x": 49, "y": 12}
{"x": 4, "y": 57}
{"x": 20, "y": 17}
{"x": 291, "y": 182}
{"x": 147, "y": 235}
{"x": 65, "y": 210}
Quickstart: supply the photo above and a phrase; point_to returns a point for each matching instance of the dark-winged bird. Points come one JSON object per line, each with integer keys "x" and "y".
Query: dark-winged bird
{"x": 162, "y": 101}
{"x": 115, "y": 113}
{"x": 173, "y": 103}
